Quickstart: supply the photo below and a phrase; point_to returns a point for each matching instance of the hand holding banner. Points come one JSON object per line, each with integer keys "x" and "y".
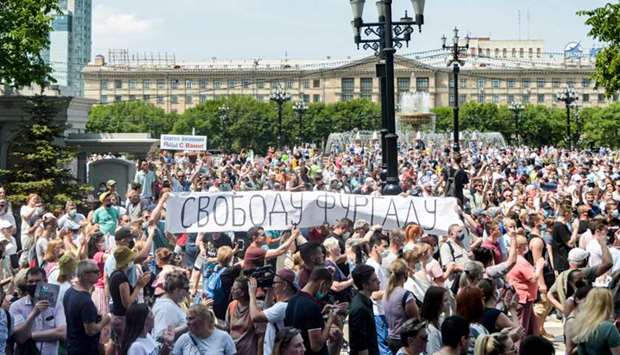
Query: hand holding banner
{"x": 279, "y": 210}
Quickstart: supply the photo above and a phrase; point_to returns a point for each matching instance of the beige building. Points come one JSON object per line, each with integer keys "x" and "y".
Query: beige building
{"x": 501, "y": 80}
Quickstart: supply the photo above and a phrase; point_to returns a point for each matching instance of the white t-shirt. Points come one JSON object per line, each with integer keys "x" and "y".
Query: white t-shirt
{"x": 615, "y": 257}
{"x": 219, "y": 342}
{"x": 143, "y": 346}
{"x": 275, "y": 314}
{"x": 596, "y": 254}
{"x": 377, "y": 307}
{"x": 167, "y": 313}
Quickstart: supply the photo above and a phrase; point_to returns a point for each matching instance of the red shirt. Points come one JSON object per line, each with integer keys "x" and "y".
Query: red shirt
{"x": 520, "y": 277}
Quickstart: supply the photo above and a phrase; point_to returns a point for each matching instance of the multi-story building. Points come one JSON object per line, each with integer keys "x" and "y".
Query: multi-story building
{"x": 178, "y": 87}
{"x": 70, "y": 45}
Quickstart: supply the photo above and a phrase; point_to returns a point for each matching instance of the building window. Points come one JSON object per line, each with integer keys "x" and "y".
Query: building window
{"x": 132, "y": 84}
{"x": 586, "y": 97}
{"x": 526, "y": 83}
{"x": 146, "y": 98}
{"x": 403, "y": 84}
{"x": 540, "y": 83}
{"x": 511, "y": 99}
{"x": 514, "y": 52}
{"x": 463, "y": 83}
{"x": 495, "y": 99}
{"x": 495, "y": 84}
{"x": 541, "y": 98}
{"x": 451, "y": 84}
{"x": 366, "y": 88}
{"x": 316, "y": 98}
{"x": 451, "y": 99}
{"x": 555, "y": 83}
{"x": 104, "y": 84}
{"x": 188, "y": 84}
{"x": 316, "y": 83}
{"x": 585, "y": 82}
{"x": 104, "y": 99}
{"x": 260, "y": 83}
{"x": 160, "y": 100}
{"x": 525, "y": 99}
{"x": 601, "y": 98}
{"x": 232, "y": 84}
{"x": 146, "y": 84}
{"x": 202, "y": 98}
{"x": 118, "y": 98}
{"x": 481, "y": 98}
{"x": 161, "y": 84}
{"x": 174, "y": 84}
{"x": 348, "y": 85}
{"x": 462, "y": 99}
{"x": 246, "y": 83}
{"x": 504, "y": 52}
{"x": 530, "y": 52}
{"x": 480, "y": 83}
{"x": 305, "y": 98}
{"x": 217, "y": 84}
{"x": 275, "y": 84}
{"x": 189, "y": 99}
{"x": 538, "y": 52}
{"x": 421, "y": 84}
{"x": 521, "y": 52}
{"x": 118, "y": 84}
{"x": 306, "y": 84}
{"x": 202, "y": 83}
{"x": 512, "y": 83}
{"x": 290, "y": 84}
{"x": 174, "y": 99}
{"x": 132, "y": 97}
{"x": 570, "y": 83}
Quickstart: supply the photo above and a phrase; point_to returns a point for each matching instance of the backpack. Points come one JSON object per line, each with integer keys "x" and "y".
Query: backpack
{"x": 214, "y": 289}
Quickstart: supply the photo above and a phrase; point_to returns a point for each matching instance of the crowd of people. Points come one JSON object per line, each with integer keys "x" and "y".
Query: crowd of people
{"x": 539, "y": 238}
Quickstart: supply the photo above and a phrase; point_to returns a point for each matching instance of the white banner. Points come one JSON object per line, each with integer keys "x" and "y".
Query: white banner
{"x": 178, "y": 142}
{"x": 279, "y": 210}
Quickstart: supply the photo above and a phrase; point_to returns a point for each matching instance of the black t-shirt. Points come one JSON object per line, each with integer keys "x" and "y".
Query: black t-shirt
{"x": 79, "y": 310}
{"x": 228, "y": 278}
{"x": 303, "y": 313}
{"x": 116, "y": 280}
{"x": 560, "y": 235}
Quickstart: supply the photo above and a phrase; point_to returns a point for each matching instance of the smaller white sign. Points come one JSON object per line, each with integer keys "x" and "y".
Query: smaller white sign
{"x": 179, "y": 142}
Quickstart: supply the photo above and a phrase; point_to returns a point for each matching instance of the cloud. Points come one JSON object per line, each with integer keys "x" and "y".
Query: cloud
{"x": 110, "y": 22}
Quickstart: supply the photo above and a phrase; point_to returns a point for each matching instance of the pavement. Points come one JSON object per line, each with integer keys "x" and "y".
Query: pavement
{"x": 555, "y": 327}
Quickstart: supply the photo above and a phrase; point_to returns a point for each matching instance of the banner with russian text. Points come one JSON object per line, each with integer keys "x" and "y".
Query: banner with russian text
{"x": 194, "y": 212}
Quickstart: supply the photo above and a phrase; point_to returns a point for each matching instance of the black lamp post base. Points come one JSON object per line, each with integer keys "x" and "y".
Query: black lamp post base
{"x": 456, "y": 148}
{"x": 391, "y": 187}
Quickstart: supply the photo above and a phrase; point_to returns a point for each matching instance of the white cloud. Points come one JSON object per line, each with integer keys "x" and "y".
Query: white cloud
{"x": 110, "y": 22}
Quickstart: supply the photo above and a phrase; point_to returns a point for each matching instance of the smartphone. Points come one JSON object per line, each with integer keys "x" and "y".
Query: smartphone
{"x": 240, "y": 244}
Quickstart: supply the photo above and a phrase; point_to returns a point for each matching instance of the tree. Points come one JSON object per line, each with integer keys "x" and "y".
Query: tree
{"x": 605, "y": 25}
{"x": 38, "y": 163}
{"x": 24, "y": 34}
{"x": 130, "y": 117}
{"x": 601, "y": 126}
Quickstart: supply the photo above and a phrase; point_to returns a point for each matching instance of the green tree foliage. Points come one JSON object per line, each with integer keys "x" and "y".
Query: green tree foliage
{"x": 130, "y": 117}
{"x": 605, "y": 23}
{"x": 24, "y": 34}
{"x": 601, "y": 126}
{"x": 37, "y": 162}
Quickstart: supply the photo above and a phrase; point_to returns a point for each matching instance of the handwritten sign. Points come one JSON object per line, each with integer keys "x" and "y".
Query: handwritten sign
{"x": 279, "y": 210}
{"x": 178, "y": 142}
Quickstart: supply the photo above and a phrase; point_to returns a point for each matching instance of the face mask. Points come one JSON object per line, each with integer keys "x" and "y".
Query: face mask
{"x": 385, "y": 253}
{"x": 72, "y": 213}
{"x": 107, "y": 204}
{"x": 29, "y": 289}
{"x": 145, "y": 225}
{"x": 346, "y": 235}
{"x": 418, "y": 267}
{"x": 460, "y": 237}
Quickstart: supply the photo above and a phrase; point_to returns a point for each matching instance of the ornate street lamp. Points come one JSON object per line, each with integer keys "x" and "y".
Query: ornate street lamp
{"x": 456, "y": 63}
{"x": 223, "y": 111}
{"x": 384, "y": 37}
{"x": 516, "y": 109}
{"x": 568, "y": 96}
{"x": 280, "y": 97}
{"x": 300, "y": 108}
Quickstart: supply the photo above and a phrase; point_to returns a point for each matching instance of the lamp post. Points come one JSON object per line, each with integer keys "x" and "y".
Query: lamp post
{"x": 300, "y": 108}
{"x": 456, "y": 62}
{"x": 280, "y": 96}
{"x": 384, "y": 37}
{"x": 223, "y": 111}
{"x": 516, "y": 109}
{"x": 568, "y": 96}
{"x": 578, "y": 125}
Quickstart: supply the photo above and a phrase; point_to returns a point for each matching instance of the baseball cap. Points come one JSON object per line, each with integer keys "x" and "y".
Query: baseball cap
{"x": 289, "y": 276}
{"x": 49, "y": 215}
{"x": 67, "y": 264}
{"x": 123, "y": 256}
{"x": 577, "y": 255}
{"x": 5, "y": 224}
{"x": 103, "y": 196}
{"x": 111, "y": 182}
{"x": 360, "y": 223}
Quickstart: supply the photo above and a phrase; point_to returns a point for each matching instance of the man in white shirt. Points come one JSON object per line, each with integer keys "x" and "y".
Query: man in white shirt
{"x": 378, "y": 245}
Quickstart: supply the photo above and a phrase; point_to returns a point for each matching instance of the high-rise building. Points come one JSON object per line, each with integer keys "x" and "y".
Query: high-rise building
{"x": 70, "y": 45}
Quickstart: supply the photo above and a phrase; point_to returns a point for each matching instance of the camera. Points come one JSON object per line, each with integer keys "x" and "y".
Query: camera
{"x": 264, "y": 276}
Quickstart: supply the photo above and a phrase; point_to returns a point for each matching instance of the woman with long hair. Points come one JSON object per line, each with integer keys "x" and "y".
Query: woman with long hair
{"x": 288, "y": 342}
{"x": 436, "y": 302}
{"x": 238, "y": 320}
{"x": 137, "y": 339}
{"x": 55, "y": 249}
{"x": 469, "y": 305}
{"x": 597, "y": 333}
{"x": 399, "y": 304}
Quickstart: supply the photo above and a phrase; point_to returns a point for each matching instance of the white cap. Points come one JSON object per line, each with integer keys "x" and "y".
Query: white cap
{"x": 577, "y": 255}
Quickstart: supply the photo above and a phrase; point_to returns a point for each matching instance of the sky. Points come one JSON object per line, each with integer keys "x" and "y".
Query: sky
{"x": 197, "y": 30}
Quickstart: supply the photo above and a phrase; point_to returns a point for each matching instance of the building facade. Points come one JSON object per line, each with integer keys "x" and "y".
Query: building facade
{"x": 176, "y": 88}
{"x": 70, "y": 45}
